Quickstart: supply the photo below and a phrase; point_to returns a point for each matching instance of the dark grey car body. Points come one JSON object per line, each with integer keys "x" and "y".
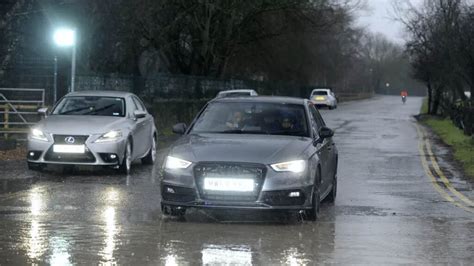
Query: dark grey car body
{"x": 250, "y": 153}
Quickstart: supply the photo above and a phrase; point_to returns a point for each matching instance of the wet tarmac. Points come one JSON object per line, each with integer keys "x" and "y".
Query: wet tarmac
{"x": 386, "y": 212}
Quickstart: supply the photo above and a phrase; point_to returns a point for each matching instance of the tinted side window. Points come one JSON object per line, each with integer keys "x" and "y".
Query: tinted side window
{"x": 133, "y": 106}
{"x": 314, "y": 124}
{"x": 317, "y": 117}
{"x": 139, "y": 103}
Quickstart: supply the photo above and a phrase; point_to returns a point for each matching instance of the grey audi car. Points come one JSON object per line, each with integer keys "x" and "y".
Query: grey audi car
{"x": 107, "y": 128}
{"x": 272, "y": 153}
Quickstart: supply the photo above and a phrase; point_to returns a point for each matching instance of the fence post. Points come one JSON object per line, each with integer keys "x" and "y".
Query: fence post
{"x": 6, "y": 117}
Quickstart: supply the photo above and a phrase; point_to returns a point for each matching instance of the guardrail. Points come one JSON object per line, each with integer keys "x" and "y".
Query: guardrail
{"x": 19, "y": 108}
{"x": 353, "y": 96}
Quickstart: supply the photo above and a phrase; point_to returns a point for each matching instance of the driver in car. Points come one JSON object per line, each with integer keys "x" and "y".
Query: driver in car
{"x": 287, "y": 124}
{"x": 236, "y": 121}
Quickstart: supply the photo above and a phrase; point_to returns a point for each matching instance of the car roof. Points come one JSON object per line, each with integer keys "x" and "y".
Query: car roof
{"x": 263, "y": 99}
{"x": 322, "y": 89}
{"x": 101, "y": 93}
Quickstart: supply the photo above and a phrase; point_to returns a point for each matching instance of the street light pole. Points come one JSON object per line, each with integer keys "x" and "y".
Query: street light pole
{"x": 67, "y": 38}
{"x": 55, "y": 92}
{"x": 73, "y": 67}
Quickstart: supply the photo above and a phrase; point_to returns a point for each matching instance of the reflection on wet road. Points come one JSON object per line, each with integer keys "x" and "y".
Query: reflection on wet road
{"x": 386, "y": 211}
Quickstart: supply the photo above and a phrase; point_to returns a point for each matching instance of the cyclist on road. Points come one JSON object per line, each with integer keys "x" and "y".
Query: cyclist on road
{"x": 404, "y": 95}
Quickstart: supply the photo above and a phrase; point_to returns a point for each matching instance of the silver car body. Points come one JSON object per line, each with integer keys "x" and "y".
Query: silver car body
{"x": 87, "y": 129}
{"x": 324, "y": 97}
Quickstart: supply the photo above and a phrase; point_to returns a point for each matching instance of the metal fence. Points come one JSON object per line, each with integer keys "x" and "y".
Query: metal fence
{"x": 36, "y": 72}
{"x": 182, "y": 87}
{"x": 19, "y": 109}
{"x": 462, "y": 115}
{"x": 167, "y": 86}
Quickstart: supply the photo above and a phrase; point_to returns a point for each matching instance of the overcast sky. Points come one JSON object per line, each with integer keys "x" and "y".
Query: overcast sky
{"x": 379, "y": 18}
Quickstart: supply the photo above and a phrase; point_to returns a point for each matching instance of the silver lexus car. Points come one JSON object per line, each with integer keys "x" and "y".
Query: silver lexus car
{"x": 267, "y": 153}
{"x": 107, "y": 128}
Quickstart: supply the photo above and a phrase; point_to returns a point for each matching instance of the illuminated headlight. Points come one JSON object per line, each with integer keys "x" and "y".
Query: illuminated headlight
{"x": 297, "y": 166}
{"x": 38, "y": 135}
{"x": 176, "y": 163}
{"x": 110, "y": 136}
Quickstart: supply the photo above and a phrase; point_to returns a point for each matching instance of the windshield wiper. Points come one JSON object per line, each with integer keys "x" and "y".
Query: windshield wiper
{"x": 287, "y": 133}
{"x": 100, "y": 109}
{"x": 74, "y": 110}
{"x": 240, "y": 131}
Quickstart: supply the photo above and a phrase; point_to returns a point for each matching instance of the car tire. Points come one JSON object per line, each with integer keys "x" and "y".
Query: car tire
{"x": 35, "y": 166}
{"x": 331, "y": 197}
{"x": 313, "y": 213}
{"x": 330, "y": 107}
{"x": 173, "y": 211}
{"x": 150, "y": 158}
{"x": 126, "y": 164}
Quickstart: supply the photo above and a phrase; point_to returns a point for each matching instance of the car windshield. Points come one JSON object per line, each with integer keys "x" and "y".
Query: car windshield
{"x": 253, "y": 118}
{"x": 91, "y": 105}
{"x": 320, "y": 93}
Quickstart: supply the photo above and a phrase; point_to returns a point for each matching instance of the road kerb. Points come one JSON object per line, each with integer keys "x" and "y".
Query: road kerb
{"x": 443, "y": 176}
{"x": 434, "y": 180}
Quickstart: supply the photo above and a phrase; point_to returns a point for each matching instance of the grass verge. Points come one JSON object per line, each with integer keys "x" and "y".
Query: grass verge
{"x": 462, "y": 145}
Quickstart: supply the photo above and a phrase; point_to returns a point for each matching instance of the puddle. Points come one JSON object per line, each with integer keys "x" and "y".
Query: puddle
{"x": 16, "y": 185}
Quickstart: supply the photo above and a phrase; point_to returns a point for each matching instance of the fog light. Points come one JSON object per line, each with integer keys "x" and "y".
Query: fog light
{"x": 113, "y": 156}
{"x": 33, "y": 155}
{"x": 170, "y": 190}
{"x": 294, "y": 194}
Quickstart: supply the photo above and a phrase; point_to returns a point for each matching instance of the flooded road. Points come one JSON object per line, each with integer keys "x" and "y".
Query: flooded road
{"x": 387, "y": 210}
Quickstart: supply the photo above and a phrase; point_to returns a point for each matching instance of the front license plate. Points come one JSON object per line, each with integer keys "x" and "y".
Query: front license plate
{"x": 229, "y": 184}
{"x": 69, "y": 148}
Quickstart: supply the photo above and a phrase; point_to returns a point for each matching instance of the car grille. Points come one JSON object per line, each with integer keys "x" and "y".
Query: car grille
{"x": 229, "y": 170}
{"x": 86, "y": 157}
{"x": 78, "y": 139}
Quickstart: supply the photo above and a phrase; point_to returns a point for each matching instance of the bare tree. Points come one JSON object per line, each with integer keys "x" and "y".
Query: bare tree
{"x": 10, "y": 33}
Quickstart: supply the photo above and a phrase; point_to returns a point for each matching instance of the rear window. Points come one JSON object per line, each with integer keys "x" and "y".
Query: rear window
{"x": 320, "y": 93}
{"x": 91, "y": 105}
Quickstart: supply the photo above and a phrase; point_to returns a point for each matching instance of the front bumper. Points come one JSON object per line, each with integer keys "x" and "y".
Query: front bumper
{"x": 105, "y": 154}
{"x": 267, "y": 200}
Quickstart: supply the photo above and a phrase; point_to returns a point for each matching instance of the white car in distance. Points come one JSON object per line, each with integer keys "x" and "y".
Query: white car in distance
{"x": 324, "y": 97}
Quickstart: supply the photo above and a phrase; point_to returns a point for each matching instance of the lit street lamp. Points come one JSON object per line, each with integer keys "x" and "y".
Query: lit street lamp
{"x": 387, "y": 85}
{"x": 67, "y": 38}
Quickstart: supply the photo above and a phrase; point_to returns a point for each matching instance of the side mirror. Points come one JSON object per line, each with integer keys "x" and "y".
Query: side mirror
{"x": 43, "y": 111}
{"x": 139, "y": 114}
{"x": 179, "y": 128}
{"x": 325, "y": 132}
